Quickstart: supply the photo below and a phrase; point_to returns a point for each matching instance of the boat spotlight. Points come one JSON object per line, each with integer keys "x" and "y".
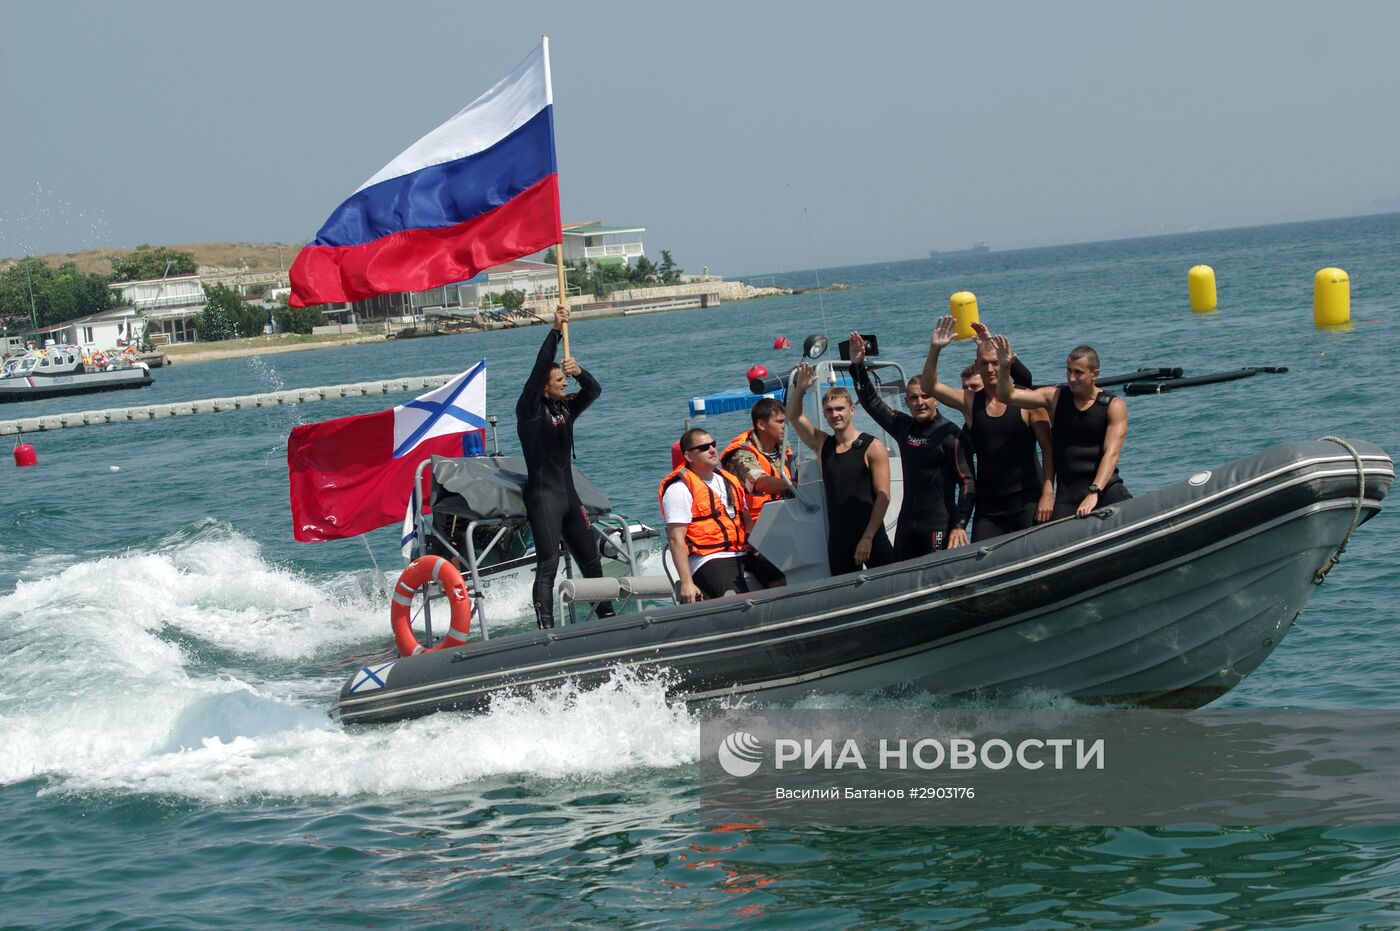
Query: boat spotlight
{"x": 814, "y": 346}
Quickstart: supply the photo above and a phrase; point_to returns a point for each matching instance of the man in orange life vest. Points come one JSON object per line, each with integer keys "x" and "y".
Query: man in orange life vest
{"x": 707, "y": 521}
{"x": 757, "y": 459}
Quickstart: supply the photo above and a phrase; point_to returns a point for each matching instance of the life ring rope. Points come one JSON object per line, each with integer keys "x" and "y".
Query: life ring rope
{"x": 415, "y": 575}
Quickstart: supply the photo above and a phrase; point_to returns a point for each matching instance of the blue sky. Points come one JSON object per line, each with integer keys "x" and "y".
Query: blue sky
{"x": 895, "y": 127}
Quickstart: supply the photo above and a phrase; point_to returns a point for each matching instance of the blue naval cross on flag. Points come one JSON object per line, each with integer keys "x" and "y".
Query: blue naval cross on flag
{"x": 370, "y": 678}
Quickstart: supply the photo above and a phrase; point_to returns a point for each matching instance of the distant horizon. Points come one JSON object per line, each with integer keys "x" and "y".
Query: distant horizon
{"x": 1093, "y": 242}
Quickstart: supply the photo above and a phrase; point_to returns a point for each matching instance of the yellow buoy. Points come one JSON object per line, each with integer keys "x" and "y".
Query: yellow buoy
{"x": 963, "y": 307}
{"x": 1331, "y": 298}
{"x": 1200, "y": 282}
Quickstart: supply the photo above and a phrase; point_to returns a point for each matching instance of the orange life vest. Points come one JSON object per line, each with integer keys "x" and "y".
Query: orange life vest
{"x": 757, "y": 499}
{"x": 711, "y": 529}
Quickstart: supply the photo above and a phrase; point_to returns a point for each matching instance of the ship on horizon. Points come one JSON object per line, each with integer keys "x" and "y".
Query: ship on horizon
{"x": 979, "y": 246}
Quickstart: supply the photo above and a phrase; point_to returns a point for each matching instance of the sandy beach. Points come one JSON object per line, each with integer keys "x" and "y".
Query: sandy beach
{"x": 258, "y": 346}
{"x": 270, "y": 345}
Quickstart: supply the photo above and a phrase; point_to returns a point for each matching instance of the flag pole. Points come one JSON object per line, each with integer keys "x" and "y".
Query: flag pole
{"x": 559, "y": 252}
{"x": 563, "y": 292}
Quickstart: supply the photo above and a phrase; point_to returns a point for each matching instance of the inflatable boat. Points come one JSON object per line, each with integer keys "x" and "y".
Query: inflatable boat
{"x": 1167, "y": 600}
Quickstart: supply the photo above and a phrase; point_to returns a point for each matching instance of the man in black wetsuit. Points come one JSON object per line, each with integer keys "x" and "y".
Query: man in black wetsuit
{"x": 544, "y": 420}
{"x": 1012, "y": 493}
{"x": 936, "y": 465}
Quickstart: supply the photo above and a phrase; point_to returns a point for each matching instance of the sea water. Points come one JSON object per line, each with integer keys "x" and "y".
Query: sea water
{"x": 168, "y": 653}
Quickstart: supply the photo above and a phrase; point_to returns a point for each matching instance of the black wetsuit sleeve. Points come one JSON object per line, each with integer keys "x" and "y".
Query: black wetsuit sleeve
{"x": 869, "y": 398}
{"x": 1020, "y": 375}
{"x": 532, "y": 398}
{"x": 967, "y": 485}
{"x": 589, "y": 390}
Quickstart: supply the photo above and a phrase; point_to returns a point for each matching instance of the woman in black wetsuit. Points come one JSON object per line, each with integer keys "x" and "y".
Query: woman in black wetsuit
{"x": 1088, "y": 426}
{"x": 544, "y": 420}
{"x": 935, "y": 463}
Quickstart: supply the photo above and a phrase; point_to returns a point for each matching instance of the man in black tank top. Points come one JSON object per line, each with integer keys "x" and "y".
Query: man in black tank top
{"x": 1013, "y": 493}
{"x": 1089, "y": 427}
{"x": 855, "y": 478}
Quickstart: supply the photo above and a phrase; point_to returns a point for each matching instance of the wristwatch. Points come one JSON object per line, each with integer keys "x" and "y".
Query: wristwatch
{"x": 1095, "y": 490}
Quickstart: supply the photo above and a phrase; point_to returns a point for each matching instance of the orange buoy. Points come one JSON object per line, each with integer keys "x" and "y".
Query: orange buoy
{"x": 415, "y": 575}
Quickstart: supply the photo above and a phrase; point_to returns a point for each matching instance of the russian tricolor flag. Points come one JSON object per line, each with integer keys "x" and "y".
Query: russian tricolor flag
{"x": 481, "y": 189}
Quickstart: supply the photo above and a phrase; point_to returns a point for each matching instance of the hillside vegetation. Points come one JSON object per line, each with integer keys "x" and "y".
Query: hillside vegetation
{"x": 258, "y": 256}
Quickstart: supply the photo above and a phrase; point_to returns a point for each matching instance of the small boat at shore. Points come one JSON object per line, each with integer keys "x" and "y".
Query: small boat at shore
{"x": 1167, "y": 600}
{"x": 59, "y": 370}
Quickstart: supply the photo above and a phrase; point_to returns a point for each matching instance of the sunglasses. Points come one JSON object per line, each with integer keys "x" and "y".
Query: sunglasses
{"x": 702, "y": 447}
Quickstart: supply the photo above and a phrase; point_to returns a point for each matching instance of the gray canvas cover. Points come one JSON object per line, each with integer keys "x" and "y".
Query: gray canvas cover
{"x": 492, "y": 488}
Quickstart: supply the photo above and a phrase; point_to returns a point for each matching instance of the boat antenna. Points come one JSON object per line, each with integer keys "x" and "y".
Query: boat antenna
{"x": 816, "y": 272}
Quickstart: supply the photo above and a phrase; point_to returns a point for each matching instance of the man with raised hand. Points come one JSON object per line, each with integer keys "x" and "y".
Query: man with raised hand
{"x": 1088, "y": 423}
{"x": 939, "y": 490}
{"x": 855, "y": 478}
{"x": 1012, "y": 493}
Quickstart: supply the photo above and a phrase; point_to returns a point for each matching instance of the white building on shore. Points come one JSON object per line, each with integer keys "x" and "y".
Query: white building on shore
{"x": 168, "y": 306}
{"x": 605, "y": 245}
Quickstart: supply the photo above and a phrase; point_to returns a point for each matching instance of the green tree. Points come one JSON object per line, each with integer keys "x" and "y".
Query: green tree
{"x": 644, "y": 272}
{"x": 146, "y": 262}
{"x": 59, "y": 294}
{"x": 298, "y": 319}
{"x": 512, "y": 300}
{"x": 227, "y": 316}
{"x": 667, "y": 271}
{"x": 219, "y": 319}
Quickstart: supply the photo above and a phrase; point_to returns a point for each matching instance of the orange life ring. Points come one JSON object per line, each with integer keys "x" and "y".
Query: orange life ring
{"x": 415, "y": 575}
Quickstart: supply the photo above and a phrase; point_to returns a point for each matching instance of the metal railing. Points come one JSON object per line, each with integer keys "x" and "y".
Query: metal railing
{"x": 628, "y": 249}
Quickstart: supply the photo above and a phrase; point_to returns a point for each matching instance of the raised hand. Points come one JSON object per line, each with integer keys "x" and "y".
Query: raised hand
{"x": 803, "y": 377}
{"x": 1003, "y": 348}
{"x": 570, "y": 367}
{"x": 980, "y": 333}
{"x": 857, "y": 348}
{"x": 944, "y": 332}
{"x": 561, "y": 317}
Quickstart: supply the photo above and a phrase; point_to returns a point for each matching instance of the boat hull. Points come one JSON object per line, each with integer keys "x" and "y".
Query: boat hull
{"x": 1168, "y": 600}
{"x": 37, "y": 387}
